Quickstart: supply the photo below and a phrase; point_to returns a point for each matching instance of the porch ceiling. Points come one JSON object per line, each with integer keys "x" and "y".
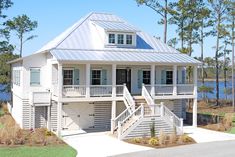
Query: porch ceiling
{"x": 123, "y": 56}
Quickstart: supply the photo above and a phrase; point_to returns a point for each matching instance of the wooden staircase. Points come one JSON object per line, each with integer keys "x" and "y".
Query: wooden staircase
{"x": 141, "y": 114}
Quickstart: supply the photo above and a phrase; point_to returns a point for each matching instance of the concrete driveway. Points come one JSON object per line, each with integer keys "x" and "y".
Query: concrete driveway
{"x": 201, "y": 135}
{"x": 211, "y": 149}
{"x": 100, "y": 145}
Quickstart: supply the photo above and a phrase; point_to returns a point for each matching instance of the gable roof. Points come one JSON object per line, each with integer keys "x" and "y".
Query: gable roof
{"x": 79, "y": 36}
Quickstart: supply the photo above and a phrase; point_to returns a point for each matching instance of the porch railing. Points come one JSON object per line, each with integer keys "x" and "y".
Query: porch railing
{"x": 101, "y": 90}
{"x": 74, "y": 90}
{"x": 163, "y": 89}
{"x": 185, "y": 89}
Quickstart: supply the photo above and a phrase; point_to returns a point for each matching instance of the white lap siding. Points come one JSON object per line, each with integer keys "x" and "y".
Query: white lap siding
{"x": 102, "y": 118}
{"x": 53, "y": 116}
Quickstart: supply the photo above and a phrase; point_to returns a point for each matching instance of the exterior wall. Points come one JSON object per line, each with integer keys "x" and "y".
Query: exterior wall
{"x": 38, "y": 61}
{"x": 17, "y": 110}
{"x": 54, "y": 112}
{"x": 176, "y": 106}
{"x": 120, "y": 108}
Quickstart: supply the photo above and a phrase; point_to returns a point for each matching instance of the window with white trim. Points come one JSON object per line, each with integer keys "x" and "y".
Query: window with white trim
{"x": 111, "y": 38}
{"x": 129, "y": 39}
{"x": 120, "y": 39}
{"x": 16, "y": 77}
{"x": 67, "y": 77}
{"x": 96, "y": 77}
{"x": 34, "y": 76}
{"x": 146, "y": 76}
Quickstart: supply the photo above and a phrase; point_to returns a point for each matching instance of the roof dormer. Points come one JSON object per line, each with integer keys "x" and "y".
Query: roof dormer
{"x": 118, "y": 34}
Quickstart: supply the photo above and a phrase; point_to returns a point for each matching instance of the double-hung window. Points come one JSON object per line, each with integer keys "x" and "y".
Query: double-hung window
{"x": 120, "y": 39}
{"x": 67, "y": 77}
{"x": 129, "y": 39}
{"x": 146, "y": 77}
{"x": 96, "y": 77}
{"x": 169, "y": 77}
{"x": 35, "y": 76}
{"x": 16, "y": 77}
{"x": 111, "y": 38}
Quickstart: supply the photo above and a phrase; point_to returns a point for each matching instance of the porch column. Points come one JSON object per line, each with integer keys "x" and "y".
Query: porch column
{"x": 195, "y": 96}
{"x": 88, "y": 71}
{"x": 113, "y": 116}
{"x": 152, "y": 80}
{"x": 175, "y": 80}
{"x": 59, "y": 104}
{"x": 114, "y": 80}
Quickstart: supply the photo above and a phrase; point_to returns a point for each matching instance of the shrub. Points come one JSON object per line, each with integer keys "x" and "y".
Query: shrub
{"x": 153, "y": 141}
{"x": 162, "y": 137}
{"x": 39, "y": 136}
{"x": 152, "y": 129}
{"x": 185, "y": 139}
{"x": 172, "y": 138}
{"x": 136, "y": 140}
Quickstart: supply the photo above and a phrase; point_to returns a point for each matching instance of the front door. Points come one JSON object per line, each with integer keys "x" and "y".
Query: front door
{"x": 124, "y": 76}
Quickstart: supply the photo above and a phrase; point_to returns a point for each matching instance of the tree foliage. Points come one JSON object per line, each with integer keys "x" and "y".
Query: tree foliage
{"x": 22, "y": 25}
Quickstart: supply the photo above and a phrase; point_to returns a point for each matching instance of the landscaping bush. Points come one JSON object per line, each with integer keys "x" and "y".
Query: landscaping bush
{"x": 136, "y": 140}
{"x": 152, "y": 129}
{"x": 153, "y": 141}
{"x": 162, "y": 137}
{"x": 172, "y": 138}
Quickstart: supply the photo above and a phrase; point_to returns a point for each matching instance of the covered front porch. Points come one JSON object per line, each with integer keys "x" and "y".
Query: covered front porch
{"x": 108, "y": 81}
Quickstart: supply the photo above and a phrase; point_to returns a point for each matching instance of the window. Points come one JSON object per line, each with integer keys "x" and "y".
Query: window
{"x": 16, "y": 77}
{"x": 35, "y": 76}
{"x": 129, "y": 39}
{"x": 169, "y": 77}
{"x": 96, "y": 77}
{"x": 146, "y": 77}
{"x": 111, "y": 38}
{"x": 120, "y": 39}
{"x": 67, "y": 77}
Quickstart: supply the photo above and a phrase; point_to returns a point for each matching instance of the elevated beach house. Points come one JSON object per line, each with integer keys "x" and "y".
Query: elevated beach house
{"x": 104, "y": 74}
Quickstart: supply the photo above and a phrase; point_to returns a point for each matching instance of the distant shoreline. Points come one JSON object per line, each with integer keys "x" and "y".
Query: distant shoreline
{"x": 212, "y": 79}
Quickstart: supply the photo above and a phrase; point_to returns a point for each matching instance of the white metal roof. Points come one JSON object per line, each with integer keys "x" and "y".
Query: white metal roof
{"x": 80, "y": 35}
{"x": 144, "y": 56}
{"x": 116, "y": 26}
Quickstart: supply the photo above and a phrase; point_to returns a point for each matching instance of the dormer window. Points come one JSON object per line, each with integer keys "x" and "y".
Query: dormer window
{"x": 120, "y": 39}
{"x": 111, "y": 38}
{"x": 129, "y": 39}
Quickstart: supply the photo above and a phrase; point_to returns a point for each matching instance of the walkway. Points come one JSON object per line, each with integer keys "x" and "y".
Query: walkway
{"x": 201, "y": 135}
{"x": 211, "y": 149}
{"x": 100, "y": 145}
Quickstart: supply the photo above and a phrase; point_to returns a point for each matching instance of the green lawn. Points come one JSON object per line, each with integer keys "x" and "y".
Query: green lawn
{"x": 232, "y": 131}
{"x": 47, "y": 151}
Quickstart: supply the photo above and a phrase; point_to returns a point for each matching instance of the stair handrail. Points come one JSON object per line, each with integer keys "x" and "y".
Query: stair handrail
{"x": 176, "y": 121}
{"x": 121, "y": 117}
{"x": 148, "y": 98}
{"x": 129, "y": 99}
{"x": 140, "y": 109}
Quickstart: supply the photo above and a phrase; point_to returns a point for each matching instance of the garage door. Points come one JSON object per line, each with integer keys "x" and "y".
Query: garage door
{"x": 78, "y": 116}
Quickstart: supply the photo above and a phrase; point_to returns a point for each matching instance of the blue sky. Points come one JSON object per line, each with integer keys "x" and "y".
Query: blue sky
{"x": 54, "y": 16}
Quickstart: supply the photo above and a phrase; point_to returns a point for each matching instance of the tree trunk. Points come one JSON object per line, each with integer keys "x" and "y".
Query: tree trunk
{"x": 233, "y": 92}
{"x": 225, "y": 72}
{"x": 216, "y": 61}
{"x": 21, "y": 45}
{"x": 165, "y": 22}
{"x": 202, "y": 53}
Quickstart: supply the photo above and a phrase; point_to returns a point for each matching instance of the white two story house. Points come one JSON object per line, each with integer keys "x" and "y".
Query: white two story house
{"x": 103, "y": 74}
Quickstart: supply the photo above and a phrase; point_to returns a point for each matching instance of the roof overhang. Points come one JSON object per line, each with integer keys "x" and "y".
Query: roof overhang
{"x": 143, "y": 57}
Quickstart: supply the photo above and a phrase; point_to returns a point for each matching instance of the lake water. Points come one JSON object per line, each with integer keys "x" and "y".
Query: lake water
{"x": 4, "y": 96}
{"x": 7, "y": 96}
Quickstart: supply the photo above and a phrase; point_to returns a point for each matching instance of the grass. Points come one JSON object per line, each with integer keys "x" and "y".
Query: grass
{"x": 1, "y": 126}
{"x": 47, "y": 151}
